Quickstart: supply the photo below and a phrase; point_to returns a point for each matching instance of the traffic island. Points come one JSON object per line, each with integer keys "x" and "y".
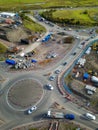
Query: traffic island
{"x": 24, "y": 94}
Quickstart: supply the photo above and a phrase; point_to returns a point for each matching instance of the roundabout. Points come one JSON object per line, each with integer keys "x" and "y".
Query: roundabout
{"x": 24, "y": 94}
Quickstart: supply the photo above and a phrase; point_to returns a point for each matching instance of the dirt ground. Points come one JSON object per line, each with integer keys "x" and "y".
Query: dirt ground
{"x": 45, "y": 125}
{"x": 54, "y": 45}
{"x": 12, "y": 36}
{"x": 17, "y": 34}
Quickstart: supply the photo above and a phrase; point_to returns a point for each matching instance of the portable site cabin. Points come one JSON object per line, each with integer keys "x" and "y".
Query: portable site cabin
{"x": 85, "y": 76}
{"x": 88, "y": 50}
{"x": 34, "y": 61}
{"x": 94, "y": 79}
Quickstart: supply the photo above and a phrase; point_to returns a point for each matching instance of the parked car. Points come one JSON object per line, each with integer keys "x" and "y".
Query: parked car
{"x": 29, "y": 54}
{"x": 53, "y": 55}
{"x": 31, "y": 109}
{"x": 90, "y": 92}
{"x": 49, "y": 86}
{"x": 48, "y": 56}
{"x": 70, "y": 116}
{"x": 64, "y": 63}
{"x": 51, "y": 78}
{"x": 74, "y": 53}
{"x": 58, "y": 71}
{"x": 90, "y": 116}
{"x": 82, "y": 43}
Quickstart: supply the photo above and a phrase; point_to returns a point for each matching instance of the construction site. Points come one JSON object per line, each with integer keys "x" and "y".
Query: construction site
{"x": 46, "y": 54}
{"x": 83, "y": 78}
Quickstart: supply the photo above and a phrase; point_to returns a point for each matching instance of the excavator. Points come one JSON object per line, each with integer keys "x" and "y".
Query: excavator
{"x": 14, "y": 49}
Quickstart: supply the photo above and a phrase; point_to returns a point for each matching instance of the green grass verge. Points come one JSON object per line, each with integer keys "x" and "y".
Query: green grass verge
{"x": 32, "y": 26}
{"x": 3, "y": 48}
{"x": 85, "y": 17}
{"x": 70, "y": 3}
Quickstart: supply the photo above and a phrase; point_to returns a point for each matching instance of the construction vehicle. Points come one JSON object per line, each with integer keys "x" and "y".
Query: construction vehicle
{"x": 95, "y": 46}
{"x": 90, "y": 71}
{"x": 14, "y": 49}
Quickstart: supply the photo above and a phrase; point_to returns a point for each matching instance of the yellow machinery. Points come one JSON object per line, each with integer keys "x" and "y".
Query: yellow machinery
{"x": 95, "y": 46}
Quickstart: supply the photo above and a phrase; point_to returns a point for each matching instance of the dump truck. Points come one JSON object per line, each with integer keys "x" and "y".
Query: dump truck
{"x": 57, "y": 115}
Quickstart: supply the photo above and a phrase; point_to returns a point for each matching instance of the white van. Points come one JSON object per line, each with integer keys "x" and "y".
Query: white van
{"x": 90, "y": 116}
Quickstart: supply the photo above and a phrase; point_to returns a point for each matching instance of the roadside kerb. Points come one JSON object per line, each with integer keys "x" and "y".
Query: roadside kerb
{"x": 60, "y": 85}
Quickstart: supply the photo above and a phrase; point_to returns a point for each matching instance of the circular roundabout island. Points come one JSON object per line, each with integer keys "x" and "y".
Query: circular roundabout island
{"x": 24, "y": 94}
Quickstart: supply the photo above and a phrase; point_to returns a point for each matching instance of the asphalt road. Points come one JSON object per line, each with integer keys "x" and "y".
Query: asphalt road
{"x": 13, "y": 117}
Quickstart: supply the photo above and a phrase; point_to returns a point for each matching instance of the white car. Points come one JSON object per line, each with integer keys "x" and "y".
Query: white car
{"x": 50, "y": 87}
{"x": 31, "y": 109}
{"x": 90, "y": 116}
{"x": 53, "y": 55}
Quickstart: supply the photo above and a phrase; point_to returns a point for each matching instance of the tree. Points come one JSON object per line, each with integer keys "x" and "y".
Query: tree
{"x": 85, "y": 12}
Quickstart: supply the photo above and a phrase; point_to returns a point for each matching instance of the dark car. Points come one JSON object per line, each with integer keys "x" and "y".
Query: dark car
{"x": 82, "y": 43}
{"x": 74, "y": 53}
{"x": 70, "y": 116}
{"x": 64, "y": 63}
{"x": 29, "y": 54}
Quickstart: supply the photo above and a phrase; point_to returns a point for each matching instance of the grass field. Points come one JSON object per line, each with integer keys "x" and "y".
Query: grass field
{"x": 85, "y": 17}
{"x": 45, "y": 3}
{"x": 13, "y": 2}
{"x": 33, "y": 26}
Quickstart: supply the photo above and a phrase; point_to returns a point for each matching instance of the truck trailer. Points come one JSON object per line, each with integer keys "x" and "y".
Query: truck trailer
{"x": 56, "y": 115}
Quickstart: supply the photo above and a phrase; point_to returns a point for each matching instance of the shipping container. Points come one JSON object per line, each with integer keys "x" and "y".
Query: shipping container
{"x": 46, "y": 38}
{"x": 10, "y": 62}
